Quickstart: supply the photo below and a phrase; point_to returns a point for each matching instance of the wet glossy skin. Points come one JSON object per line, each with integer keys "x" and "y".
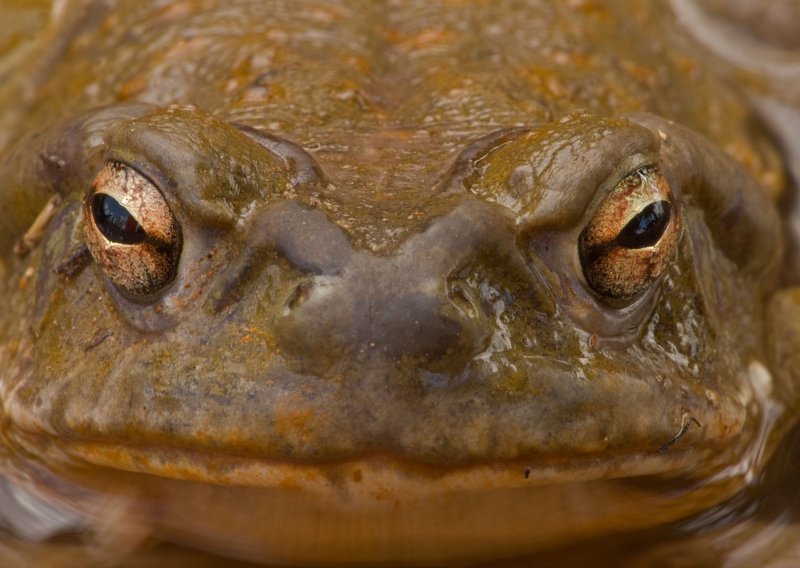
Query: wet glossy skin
{"x": 380, "y": 333}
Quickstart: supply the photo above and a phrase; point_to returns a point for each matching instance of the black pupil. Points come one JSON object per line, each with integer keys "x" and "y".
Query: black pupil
{"x": 646, "y": 228}
{"x": 116, "y": 222}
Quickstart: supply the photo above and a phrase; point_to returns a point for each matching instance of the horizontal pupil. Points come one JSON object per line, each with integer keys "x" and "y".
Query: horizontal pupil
{"x": 646, "y": 228}
{"x": 115, "y": 222}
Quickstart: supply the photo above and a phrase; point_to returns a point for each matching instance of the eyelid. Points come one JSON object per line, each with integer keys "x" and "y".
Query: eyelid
{"x": 570, "y": 200}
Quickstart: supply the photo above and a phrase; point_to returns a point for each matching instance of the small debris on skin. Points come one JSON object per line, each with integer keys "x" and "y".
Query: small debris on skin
{"x": 686, "y": 421}
{"x": 34, "y": 234}
{"x": 97, "y": 340}
{"x": 26, "y": 278}
{"x": 77, "y": 260}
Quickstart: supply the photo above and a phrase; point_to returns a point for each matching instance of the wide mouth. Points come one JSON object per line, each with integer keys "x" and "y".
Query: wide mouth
{"x": 385, "y": 510}
{"x": 370, "y": 477}
{"x": 393, "y": 504}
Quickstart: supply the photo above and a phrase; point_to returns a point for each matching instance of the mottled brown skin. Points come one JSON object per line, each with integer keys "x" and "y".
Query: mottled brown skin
{"x": 379, "y": 335}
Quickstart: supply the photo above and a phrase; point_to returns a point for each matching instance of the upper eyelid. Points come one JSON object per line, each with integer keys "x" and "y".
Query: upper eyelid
{"x": 567, "y": 165}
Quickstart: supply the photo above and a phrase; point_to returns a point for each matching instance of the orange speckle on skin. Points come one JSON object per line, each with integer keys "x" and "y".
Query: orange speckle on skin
{"x": 26, "y": 278}
{"x": 688, "y": 67}
{"x": 423, "y": 40}
{"x": 257, "y": 331}
{"x": 132, "y": 87}
{"x": 589, "y": 8}
{"x": 294, "y": 422}
{"x": 641, "y": 74}
{"x": 175, "y": 11}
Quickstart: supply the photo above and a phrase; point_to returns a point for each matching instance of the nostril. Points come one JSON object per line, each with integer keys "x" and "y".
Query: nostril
{"x": 297, "y": 298}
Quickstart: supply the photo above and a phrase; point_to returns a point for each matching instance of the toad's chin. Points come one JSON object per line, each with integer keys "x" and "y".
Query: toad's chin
{"x": 382, "y": 510}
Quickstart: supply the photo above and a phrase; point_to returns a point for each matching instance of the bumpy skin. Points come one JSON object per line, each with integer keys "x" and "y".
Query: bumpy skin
{"x": 379, "y": 335}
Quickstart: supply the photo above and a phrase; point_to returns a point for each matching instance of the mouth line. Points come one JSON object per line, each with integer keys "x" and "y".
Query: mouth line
{"x": 383, "y": 472}
{"x": 374, "y": 489}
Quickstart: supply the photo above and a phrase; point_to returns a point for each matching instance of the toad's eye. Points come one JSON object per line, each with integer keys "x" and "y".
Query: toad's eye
{"x": 631, "y": 237}
{"x": 130, "y": 230}
{"x": 647, "y": 228}
{"x": 114, "y": 221}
